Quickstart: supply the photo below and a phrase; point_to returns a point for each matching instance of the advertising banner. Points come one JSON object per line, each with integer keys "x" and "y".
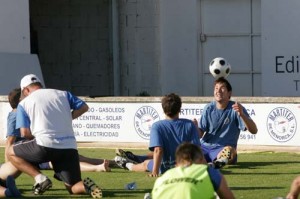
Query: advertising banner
{"x": 131, "y": 122}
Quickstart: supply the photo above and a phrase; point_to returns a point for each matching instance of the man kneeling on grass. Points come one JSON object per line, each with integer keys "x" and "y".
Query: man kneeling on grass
{"x": 45, "y": 118}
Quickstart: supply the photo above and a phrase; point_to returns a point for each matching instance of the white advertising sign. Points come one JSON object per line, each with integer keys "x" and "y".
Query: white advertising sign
{"x": 131, "y": 122}
{"x": 280, "y": 49}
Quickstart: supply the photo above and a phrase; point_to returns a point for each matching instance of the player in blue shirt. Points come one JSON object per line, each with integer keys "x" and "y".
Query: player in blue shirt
{"x": 220, "y": 125}
{"x": 165, "y": 136}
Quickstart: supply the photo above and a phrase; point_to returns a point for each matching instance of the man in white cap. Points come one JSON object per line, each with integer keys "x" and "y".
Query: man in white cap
{"x": 45, "y": 117}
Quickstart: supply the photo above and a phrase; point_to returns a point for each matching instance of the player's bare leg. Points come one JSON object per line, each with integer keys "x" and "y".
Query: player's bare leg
{"x": 104, "y": 167}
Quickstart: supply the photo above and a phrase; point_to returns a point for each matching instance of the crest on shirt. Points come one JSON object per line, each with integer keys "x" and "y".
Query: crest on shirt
{"x": 143, "y": 120}
{"x": 281, "y": 124}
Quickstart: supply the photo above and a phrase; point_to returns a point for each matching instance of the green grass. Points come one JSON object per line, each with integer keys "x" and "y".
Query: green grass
{"x": 256, "y": 176}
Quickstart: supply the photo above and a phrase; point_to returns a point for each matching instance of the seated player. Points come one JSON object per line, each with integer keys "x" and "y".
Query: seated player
{"x": 192, "y": 177}
{"x": 165, "y": 136}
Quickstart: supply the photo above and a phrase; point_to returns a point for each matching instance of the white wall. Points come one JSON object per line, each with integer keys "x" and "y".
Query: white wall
{"x": 14, "y": 26}
{"x": 179, "y": 46}
{"x": 280, "y": 48}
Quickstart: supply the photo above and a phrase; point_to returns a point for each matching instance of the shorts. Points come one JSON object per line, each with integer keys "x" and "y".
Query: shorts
{"x": 211, "y": 152}
{"x": 65, "y": 162}
{"x": 44, "y": 166}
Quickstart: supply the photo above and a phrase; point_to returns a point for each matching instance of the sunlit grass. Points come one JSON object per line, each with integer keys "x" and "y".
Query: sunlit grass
{"x": 256, "y": 176}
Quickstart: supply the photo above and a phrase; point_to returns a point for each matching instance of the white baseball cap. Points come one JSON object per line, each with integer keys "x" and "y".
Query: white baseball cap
{"x": 29, "y": 79}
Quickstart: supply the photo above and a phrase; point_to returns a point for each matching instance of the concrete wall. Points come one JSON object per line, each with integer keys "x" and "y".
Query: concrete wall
{"x": 139, "y": 47}
{"x": 72, "y": 40}
{"x": 179, "y": 23}
{"x": 14, "y": 24}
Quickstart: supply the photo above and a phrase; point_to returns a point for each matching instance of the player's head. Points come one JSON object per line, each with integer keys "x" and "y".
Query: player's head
{"x": 30, "y": 81}
{"x": 171, "y": 104}
{"x": 223, "y": 83}
{"x": 188, "y": 153}
{"x": 14, "y": 97}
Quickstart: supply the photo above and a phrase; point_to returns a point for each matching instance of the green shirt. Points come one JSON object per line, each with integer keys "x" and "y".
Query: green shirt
{"x": 184, "y": 183}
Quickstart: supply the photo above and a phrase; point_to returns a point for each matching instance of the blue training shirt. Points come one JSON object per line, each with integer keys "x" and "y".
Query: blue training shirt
{"x": 168, "y": 134}
{"x": 221, "y": 126}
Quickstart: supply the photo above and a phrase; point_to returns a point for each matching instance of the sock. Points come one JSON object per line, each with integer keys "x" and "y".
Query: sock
{"x": 8, "y": 193}
{"x": 129, "y": 166}
{"x": 40, "y": 178}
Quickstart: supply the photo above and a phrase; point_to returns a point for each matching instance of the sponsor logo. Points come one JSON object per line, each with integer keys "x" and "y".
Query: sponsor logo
{"x": 143, "y": 120}
{"x": 281, "y": 124}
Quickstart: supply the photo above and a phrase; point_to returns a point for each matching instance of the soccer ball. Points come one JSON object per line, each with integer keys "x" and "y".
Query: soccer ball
{"x": 219, "y": 67}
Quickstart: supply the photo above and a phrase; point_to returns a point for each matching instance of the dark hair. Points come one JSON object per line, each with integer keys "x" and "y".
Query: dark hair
{"x": 14, "y": 97}
{"x": 171, "y": 104}
{"x": 188, "y": 152}
{"x": 222, "y": 80}
{"x": 39, "y": 84}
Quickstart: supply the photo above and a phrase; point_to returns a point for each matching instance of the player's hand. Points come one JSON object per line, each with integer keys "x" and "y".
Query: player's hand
{"x": 153, "y": 175}
{"x": 195, "y": 122}
{"x": 237, "y": 107}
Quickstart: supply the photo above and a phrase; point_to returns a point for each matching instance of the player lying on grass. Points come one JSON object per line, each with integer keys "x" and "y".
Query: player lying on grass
{"x": 192, "y": 178}
{"x": 165, "y": 136}
{"x": 13, "y": 135}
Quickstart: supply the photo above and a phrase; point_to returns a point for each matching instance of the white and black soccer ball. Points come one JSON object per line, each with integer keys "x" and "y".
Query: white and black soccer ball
{"x": 219, "y": 67}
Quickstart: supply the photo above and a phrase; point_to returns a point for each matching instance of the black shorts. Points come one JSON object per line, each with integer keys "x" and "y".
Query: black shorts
{"x": 65, "y": 162}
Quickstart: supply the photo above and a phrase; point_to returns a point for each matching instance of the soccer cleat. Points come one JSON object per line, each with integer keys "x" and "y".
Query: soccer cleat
{"x": 128, "y": 155}
{"x": 225, "y": 153}
{"x": 121, "y": 162}
{"x": 220, "y": 163}
{"x": 223, "y": 158}
{"x": 13, "y": 191}
{"x": 40, "y": 188}
{"x": 91, "y": 188}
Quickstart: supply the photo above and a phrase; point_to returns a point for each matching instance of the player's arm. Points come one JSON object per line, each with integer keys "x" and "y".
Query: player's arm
{"x": 224, "y": 192}
{"x": 157, "y": 157}
{"x": 9, "y": 142}
{"x": 76, "y": 113}
{"x": 23, "y": 123}
{"x": 200, "y": 132}
{"x": 77, "y": 105}
{"x": 249, "y": 123}
{"x": 26, "y": 133}
{"x": 295, "y": 189}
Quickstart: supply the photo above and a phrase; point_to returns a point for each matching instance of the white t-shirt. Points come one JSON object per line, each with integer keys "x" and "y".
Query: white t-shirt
{"x": 47, "y": 112}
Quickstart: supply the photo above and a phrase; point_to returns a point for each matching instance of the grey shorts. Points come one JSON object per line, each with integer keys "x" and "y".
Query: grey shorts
{"x": 65, "y": 162}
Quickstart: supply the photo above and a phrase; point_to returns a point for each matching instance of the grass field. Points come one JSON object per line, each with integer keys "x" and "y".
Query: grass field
{"x": 263, "y": 175}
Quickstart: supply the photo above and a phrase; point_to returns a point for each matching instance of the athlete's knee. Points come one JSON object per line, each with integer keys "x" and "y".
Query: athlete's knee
{"x": 10, "y": 151}
{"x": 228, "y": 152}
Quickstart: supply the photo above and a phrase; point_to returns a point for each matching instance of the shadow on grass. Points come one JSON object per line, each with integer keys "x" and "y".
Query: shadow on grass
{"x": 234, "y": 169}
{"x": 124, "y": 193}
{"x": 254, "y": 188}
{"x": 250, "y": 165}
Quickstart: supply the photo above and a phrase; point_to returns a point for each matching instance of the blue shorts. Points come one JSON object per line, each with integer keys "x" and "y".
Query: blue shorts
{"x": 211, "y": 152}
{"x": 150, "y": 166}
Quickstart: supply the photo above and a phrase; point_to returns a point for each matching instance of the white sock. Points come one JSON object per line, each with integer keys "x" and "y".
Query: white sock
{"x": 40, "y": 178}
{"x": 129, "y": 166}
